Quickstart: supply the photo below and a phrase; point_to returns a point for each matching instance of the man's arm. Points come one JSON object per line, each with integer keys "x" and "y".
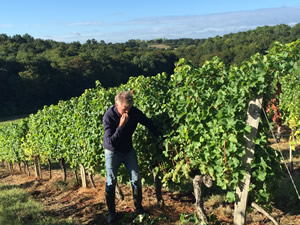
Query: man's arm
{"x": 112, "y": 132}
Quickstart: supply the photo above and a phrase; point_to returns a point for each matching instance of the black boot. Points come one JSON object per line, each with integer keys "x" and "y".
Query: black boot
{"x": 137, "y": 198}
{"x": 110, "y": 201}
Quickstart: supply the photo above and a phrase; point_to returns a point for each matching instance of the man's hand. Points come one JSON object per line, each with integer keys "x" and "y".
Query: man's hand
{"x": 123, "y": 120}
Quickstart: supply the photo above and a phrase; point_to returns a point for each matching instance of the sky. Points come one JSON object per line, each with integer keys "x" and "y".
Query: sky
{"x": 117, "y": 21}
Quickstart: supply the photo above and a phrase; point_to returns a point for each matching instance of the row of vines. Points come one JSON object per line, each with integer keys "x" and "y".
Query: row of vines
{"x": 201, "y": 112}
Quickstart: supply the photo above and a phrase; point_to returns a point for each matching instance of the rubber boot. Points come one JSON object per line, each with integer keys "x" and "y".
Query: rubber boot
{"x": 110, "y": 201}
{"x": 137, "y": 199}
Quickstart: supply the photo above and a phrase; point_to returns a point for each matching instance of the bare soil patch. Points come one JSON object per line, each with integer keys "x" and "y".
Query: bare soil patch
{"x": 161, "y": 46}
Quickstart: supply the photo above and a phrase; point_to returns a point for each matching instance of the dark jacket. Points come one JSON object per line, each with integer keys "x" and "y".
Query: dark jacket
{"x": 120, "y": 139}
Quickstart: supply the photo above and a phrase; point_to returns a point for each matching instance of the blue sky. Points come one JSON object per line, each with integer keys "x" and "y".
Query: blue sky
{"x": 119, "y": 21}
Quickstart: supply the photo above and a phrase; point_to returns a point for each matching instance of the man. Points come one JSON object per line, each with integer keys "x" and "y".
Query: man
{"x": 120, "y": 122}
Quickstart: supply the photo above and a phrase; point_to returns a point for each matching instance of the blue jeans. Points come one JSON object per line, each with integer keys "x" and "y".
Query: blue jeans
{"x": 113, "y": 161}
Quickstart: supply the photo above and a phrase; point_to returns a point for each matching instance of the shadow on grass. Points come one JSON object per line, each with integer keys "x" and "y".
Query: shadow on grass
{"x": 7, "y": 187}
{"x": 17, "y": 207}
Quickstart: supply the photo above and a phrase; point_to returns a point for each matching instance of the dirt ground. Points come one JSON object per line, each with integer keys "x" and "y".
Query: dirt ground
{"x": 87, "y": 205}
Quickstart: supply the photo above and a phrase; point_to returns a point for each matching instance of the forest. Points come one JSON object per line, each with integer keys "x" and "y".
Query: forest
{"x": 36, "y": 72}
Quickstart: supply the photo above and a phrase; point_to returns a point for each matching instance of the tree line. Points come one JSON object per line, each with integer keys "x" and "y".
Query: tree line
{"x": 36, "y": 72}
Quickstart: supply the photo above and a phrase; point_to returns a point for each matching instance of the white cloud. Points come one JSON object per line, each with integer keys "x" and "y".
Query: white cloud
{"x": 193, "y": 26}
{"x": 94, "y": 23}
{"x": 77, "y": 33}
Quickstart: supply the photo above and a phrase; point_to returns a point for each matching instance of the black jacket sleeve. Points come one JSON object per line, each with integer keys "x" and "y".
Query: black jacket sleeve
{"x": 112, "y": 132}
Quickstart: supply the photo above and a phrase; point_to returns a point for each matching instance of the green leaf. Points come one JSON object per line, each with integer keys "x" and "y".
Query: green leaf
{"x": 248, "y": 128}
{"x": 230, "y": 196}
{"x": 232, "y": 138}
{"x": 261, "y": 175}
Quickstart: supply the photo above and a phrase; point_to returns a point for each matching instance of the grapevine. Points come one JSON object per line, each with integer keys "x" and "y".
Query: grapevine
{"x": 200, "y": 110}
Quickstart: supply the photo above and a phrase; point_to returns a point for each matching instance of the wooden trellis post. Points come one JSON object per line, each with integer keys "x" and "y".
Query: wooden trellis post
{"x": 36, "y": 167}
{"x": 62, "y": 164}
{"x": 83, "y": 176}
{"x": 253, "y": 117}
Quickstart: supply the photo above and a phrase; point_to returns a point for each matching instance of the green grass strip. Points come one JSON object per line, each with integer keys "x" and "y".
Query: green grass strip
{"x": 17, "y": 207}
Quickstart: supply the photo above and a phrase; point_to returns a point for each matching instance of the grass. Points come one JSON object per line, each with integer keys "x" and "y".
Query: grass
{"x": 18, "y": 208}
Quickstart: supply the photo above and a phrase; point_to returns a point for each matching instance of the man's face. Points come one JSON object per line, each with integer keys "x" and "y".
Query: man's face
{"x": 123, "y": 107}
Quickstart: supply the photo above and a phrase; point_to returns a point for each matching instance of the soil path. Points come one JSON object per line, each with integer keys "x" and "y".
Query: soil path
{"x": 87, "y": 205}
